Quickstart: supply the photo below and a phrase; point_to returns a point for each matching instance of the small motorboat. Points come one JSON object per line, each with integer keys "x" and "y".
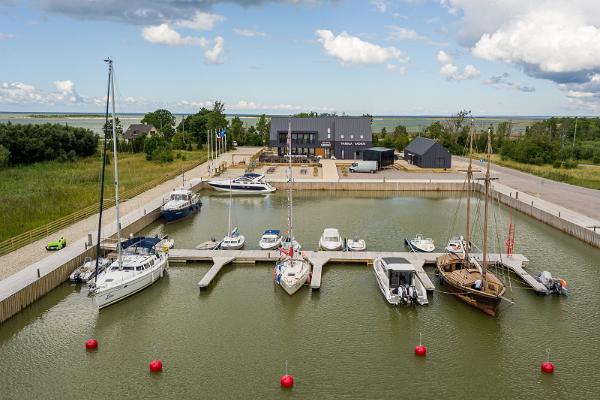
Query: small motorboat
{"x": 270, "y": 240}
{"x": 356, "y": 244}
{"x": 456, "y": 245}
{"x": 233, "y": 241}
{"x": 286, "y": 243}
{"x": 249, "y": 183}
{"x": 182, "y": 203}
{"x": 421, "y": 244}
{"x": 330, "y": 240}
{"x": 211, "y": 244}
{"x": 398, "y": 281}
{"x": 88, "y": 270}
{"x": 553, "y": 285}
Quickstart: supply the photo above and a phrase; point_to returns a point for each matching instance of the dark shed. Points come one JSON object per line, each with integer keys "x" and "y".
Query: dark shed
{"x": 427, "y": 153}
{"x": 383, "y": 156}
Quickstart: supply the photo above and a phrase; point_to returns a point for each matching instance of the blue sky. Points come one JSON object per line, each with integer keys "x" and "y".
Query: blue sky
{"x": 384, "y": 57}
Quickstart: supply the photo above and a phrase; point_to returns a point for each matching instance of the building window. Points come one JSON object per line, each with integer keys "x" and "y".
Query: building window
{"x": 329, "y": 136}
{"x": 361, "y": 136}
{"x": 342, "y": 136}
{"x": 351, "y": 136}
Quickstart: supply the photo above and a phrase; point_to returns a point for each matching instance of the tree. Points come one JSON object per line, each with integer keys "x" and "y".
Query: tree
{"x": 263, "y": 128}
{"x": 4, "y": 156}
{"x": 383, "y": 132}
{"x": 162, "y": 120}
{"x": 400, "y": 130}
{"x": 107, "y": 127}
{"x": 237, "y": 131}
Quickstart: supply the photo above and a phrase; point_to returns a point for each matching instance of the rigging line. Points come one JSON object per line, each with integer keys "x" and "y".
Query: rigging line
{"x": 452, "y": 225}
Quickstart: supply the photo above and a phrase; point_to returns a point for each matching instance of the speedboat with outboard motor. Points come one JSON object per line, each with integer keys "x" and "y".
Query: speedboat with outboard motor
{"x": 249, "y": 183}
{"x": 356, "y": 244}
{"x": 270, "y": 240}
{"x": 456, "y": 245}
{"x": 330, "y": 240}
{"x": 421, "y": 244}
{"x": 398, "y": 281}
{"x": 553, "y": 285}
{"x": 88, "y": 270}
{"x": 182, "y": 203}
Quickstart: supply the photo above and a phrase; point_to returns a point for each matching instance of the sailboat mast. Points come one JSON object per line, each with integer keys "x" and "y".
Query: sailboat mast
{"x": 114, "y": 133}
{"x": 290, "y": 198}
{"x": 485, "y": 209}
{"x": 229, "y": 218}
{"x": 102, "y": 180}
{"x": 469, "y": 180}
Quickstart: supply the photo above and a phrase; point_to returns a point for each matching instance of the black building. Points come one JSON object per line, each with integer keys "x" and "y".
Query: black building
{"x": 427, "y": 153}
{"x": 383, "y": 156}
{"x": 341, "y": 137}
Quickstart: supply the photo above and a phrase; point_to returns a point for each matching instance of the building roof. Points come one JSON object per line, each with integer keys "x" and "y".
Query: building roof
{"x": 138, "y": 129}
{"x": 338, "y": 127}
{"x": 420, "y": 145}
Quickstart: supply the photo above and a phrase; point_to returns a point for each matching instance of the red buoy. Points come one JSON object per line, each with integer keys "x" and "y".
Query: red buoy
{"x": 91, "y": 344}
{"x": 547, "y": 367}
{"x": 287, "y": 381}
{"x": 420, "y": 351}
{"x": 156, "y": 366}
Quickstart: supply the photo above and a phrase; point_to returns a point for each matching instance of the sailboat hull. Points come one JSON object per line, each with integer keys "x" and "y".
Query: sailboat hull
{"x": 116, "y": 293}
{"x": 292, "y": 274}
{"x": 487, "y": 304}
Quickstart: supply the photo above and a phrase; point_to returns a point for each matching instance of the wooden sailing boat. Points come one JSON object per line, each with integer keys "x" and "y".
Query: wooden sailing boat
{"x": 462, "y": 275}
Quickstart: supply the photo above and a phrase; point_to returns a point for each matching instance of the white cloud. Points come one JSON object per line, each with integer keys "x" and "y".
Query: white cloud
{"x": 214, "y": 55}
{"x": 353, "y": 50}
{"x": 6, "y": 36}
{"x": 550, "y": 40}
{"x": 19, "y": 93}
{"x": 451, "y": 71}
{"x": 248, "y": 32}
{"x": 401, "y": 33}
{"x": 380, "y": 5}
{"x": 557, "y": 40}
{"x": 202, "y": 21}
{"x": 163, "y": 34}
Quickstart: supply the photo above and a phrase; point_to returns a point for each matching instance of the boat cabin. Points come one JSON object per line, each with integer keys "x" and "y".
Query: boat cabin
{"x": 331, "y": 235}
{"x": 400, "y": 272}
{"x": 180, "y": 195}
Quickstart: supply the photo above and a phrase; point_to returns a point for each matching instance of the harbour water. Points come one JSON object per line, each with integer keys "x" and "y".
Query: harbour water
{"x": 344, "y": 341}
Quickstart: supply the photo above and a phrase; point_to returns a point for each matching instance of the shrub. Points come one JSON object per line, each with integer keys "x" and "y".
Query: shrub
{"x": 4, "y": 156}
{"x": 570, "y": 164}
{"x": 557, "y": 164}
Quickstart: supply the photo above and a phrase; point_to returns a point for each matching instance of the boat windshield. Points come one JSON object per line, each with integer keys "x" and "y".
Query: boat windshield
{"x": 332, "y": 238}
{"x": 399, "y": 278}
{"x": 178, "y": 196}
{"x": 269, "y": 239}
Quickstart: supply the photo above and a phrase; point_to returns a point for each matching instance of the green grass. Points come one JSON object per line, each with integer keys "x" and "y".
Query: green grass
{"x": 586, "y": 176}
{"x": 33, "y": 195}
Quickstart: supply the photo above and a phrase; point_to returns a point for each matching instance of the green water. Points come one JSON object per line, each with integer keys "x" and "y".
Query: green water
{"x": 342, "y": 342}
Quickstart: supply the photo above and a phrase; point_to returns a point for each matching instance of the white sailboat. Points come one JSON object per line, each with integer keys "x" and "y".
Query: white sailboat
{"x": 292, "y": 270}
{"x": 233, "y": 240}
{"x": 141, "y": 265}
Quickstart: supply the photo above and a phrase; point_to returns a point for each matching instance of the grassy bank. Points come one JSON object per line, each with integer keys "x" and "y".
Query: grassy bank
{"x": 33, "y": 195}
{"x": 586, "y": 176}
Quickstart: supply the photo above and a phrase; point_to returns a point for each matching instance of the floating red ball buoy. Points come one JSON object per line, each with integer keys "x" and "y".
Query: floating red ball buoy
{"x": 91, "y": 344}
{"x": 547, "y": 367}
{"x": 420, "y": 351}
{"x": 287, "y": 381}
{"x": 156, "y": 366}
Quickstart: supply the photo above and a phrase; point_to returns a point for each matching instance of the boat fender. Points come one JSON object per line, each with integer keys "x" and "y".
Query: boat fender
{"x": 309, "y": 279}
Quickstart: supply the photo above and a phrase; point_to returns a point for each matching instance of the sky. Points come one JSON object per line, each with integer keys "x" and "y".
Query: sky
{"x": 382, "y": 57}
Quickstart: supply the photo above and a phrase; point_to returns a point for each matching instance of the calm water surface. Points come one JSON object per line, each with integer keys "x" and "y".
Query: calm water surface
{"x": 342, "y": 342}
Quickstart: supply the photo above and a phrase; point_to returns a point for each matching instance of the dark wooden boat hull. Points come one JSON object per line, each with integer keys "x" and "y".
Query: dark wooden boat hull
{"x": 486, "y": 303}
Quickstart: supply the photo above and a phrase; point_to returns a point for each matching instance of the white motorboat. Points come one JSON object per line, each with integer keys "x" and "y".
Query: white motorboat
{"x": 233, "y": 241}
{"x": 292, "y": 270}
{"x": 88, "y": 270}
{"x": 398, "y": 281}
{"x": 291, "y": 273}
{"x": 421, "y": 244}
{"x": 126, "y": 276}
{"x": 270, "y": 240}
{"x": 182, "y": 203}
{"x": 249, "y": 183}
{"x": 330, "y": 240}
{"x": 356, "y": 244}
{"x": 456, "y": 245}
{"x": 138, "y": 264}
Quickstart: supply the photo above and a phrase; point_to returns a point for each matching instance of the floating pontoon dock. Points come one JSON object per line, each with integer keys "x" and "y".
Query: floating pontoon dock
{"x": 221, "y": 258}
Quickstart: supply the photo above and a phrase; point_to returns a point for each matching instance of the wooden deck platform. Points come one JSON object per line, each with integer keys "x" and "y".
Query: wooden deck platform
{"x": 220, "y": 258}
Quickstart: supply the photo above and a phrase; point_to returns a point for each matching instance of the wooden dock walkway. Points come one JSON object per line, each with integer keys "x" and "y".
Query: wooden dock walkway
{"x": 220, "y": 258}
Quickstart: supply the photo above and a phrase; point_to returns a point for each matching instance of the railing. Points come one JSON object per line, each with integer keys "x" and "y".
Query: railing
{"x": 35, "y": 234}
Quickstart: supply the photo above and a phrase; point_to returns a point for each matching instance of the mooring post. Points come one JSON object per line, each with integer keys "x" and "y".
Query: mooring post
{"x": 517, "y": 195}
{"x": 38, "y": 272}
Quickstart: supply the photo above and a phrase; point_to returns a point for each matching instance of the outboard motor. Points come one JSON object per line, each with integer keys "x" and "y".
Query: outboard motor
{"x": 402, "y": 294}
{"x": 558, "y": 286}
{"x": 412, "y": 294}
